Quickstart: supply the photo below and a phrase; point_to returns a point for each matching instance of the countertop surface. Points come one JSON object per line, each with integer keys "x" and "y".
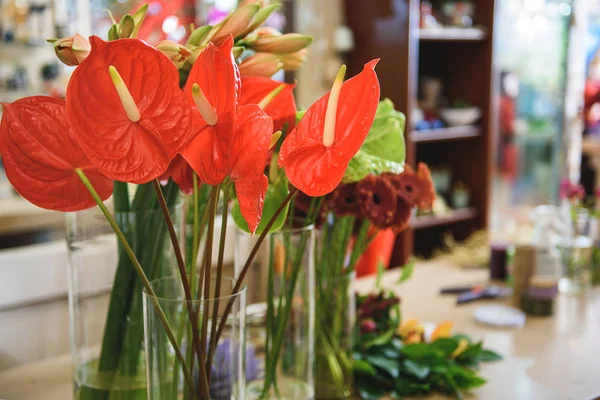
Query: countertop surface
{"x": 554, "y": 358}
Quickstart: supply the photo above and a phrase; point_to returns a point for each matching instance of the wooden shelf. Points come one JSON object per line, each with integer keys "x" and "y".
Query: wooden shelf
{"x": 452, "y": 217}
{"x": 452, "y": 34}
{"x": 445, "y": 134}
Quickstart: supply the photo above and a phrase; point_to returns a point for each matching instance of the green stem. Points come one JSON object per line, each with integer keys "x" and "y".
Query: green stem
{"x": 253, "y": 252}
{"x": 219, "y": 277}
{"x": 195, "y": 233}
{"x": 203, "y": 388}
{"x": 138, "y": 270}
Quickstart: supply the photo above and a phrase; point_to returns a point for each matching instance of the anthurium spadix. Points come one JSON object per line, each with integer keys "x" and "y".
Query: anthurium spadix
{"x": 127, "y": 111}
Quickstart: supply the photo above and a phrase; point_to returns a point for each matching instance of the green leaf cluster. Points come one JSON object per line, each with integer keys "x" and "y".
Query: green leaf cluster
{"x": 401, "y": 370}
{"x": 384, "y": 149}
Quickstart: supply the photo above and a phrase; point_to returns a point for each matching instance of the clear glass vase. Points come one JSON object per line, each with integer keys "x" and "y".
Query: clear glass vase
{"x": 105, "y": 296}
{"x": 335, "y": 324}
{"x": 166, "y": 373}
{"x": 281, "y": 320}
{"x": 576, "y": 262}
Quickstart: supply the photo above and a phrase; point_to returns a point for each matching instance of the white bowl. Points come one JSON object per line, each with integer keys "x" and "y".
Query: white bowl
{"x": 460, "y": 116}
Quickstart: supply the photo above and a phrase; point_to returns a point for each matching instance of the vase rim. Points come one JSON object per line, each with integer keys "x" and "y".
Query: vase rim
{"x": 163, "y": 299}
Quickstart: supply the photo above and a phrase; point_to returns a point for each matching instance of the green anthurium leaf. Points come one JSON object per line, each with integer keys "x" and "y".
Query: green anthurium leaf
{"x": 363, "y": 367}
{"x": 445, "y": 345}
{"x": 380, "y": 339}
{"x": 276, "y": 193}
{"x": 489, "y": 356}
{"x": 384, "y": 149}
{"x": 299, "y": 115}
{"x": 386, "y": 365}
{"x": 419, "y": 370}
{"x": 363, "y": 164}
{"x": 407, "y": 272}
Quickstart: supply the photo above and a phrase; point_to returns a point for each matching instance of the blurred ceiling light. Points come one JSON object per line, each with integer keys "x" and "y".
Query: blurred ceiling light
{"x": 170, "y": 24}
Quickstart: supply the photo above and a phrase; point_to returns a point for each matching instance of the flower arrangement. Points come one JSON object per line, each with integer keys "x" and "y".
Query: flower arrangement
{"x": 377, "y": 192}
{"x": 399, "y": 359}
{"x": 206, "y": 116}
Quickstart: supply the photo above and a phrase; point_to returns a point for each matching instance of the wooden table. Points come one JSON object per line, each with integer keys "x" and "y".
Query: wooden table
{"x": 17, "y": 215}
{"x": 549, "y": 359}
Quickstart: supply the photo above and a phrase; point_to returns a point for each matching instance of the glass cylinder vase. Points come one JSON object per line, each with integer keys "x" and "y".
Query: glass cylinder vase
{"x": 576, "y": 262}
{"x": 281, "y": 320}
{"x": 335, "y": 324}
{"x": 105, "y": 295}
{"x": 176, "y": 371}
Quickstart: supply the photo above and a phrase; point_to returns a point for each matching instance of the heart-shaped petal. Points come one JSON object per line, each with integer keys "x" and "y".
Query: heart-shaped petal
{"x": 121, "y": 147}
{"x": 250, "y": 146}
{"x": 282, "y": 108}
{"x": 216, "y": 76}
{"x": 251, "y": 192}
{"x": 316, "y": 169}
{"x": 40, "y": 156}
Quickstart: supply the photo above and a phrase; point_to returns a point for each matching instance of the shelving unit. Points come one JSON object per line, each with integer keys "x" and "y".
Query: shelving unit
{"x": 462, "y": 58}
{"x": 453, "y": 34}
{"x": 445, "y": 134}
{"x": 451, "y": 217}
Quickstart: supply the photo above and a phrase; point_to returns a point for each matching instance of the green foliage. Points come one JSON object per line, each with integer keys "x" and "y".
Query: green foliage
{"x": 385, "y": 366}
{"x": 407, "y": 272}
{"x": 383, "y": 149}
{"x": 276, "y": 193}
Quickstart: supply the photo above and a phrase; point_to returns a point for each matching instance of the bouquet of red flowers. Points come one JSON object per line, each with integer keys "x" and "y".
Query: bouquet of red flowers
{"x": 205, "y": 116}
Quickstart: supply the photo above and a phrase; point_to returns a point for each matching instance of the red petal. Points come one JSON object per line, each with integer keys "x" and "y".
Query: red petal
{"x": 121, "y": 149}
{"x": 181, "y": 173}
{"x": 40, "y": 156}
{"x": 251, "y": 192}
{"x": 219, "y": 78}
{"x": 325, "y": 167}
{"x": 282, "y": 109}
{"x": 250, "y": 146}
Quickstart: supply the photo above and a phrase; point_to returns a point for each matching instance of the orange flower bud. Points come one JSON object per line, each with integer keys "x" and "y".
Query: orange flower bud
{"x": 261, "y": 64}
{"x": 293, "y": 61}
{"x": 174, "y": 51}
{"x": 236, "y": 23}
{"x": 283, "y": 44}
{"x": 72, "y": 50}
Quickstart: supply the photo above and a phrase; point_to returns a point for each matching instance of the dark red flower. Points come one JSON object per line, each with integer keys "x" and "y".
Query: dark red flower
{"x": 40, "y": 156}
{"x": 315, "y": 155}
{"x": 377, "y": 199}
{"x": 417, "y": 188}
{"x": 127, "y": 111}
{"x": 344, "y": 200}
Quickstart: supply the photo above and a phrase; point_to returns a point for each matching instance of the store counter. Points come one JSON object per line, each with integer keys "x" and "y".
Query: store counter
{"x": 552, "y": 358}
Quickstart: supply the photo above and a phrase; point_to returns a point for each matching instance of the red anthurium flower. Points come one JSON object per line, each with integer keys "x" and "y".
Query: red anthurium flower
{"x": 127, "y": 111}
{"x": 213, "y": 87}
{"x": 181, "y": 173}
{"x": 276, "y": 98}
{"x": 316, "y": 154}
{"x": 249, "y": 148}
{"x": 40, "y": 156}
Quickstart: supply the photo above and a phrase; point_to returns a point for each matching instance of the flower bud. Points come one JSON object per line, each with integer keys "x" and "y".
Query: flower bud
{"x": 260, "y": 17}
{"x": 284, "y": 44}
{"x": 174, "y": 51}
{"x": 236, "y": 23}
{"x": 368, "y": 326}
{"x": 267, "y": 32}
{"x": 261, "y": 64}
{"x": 72, "y": 50}
{"x": 293, "y": 61}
